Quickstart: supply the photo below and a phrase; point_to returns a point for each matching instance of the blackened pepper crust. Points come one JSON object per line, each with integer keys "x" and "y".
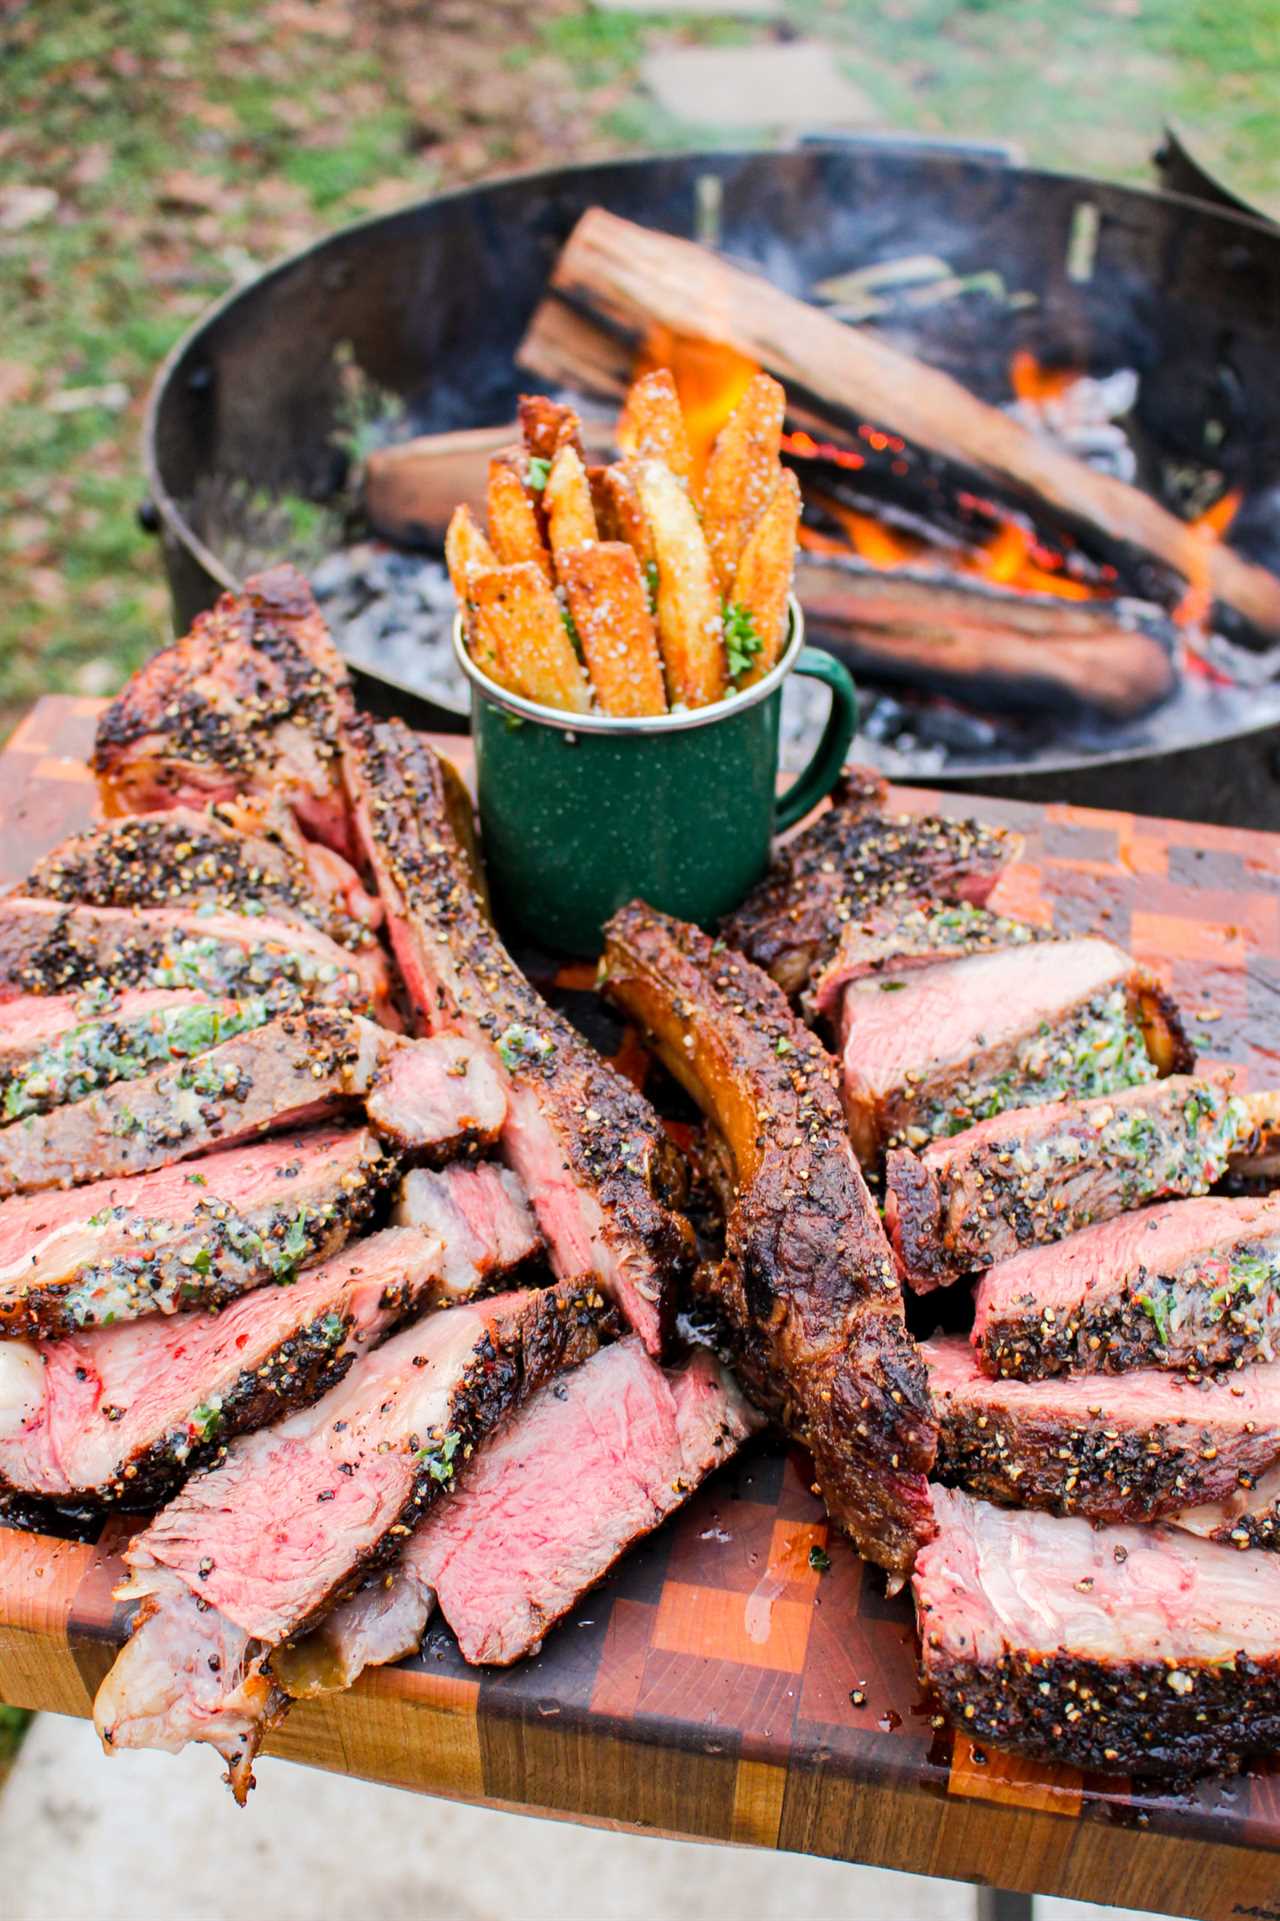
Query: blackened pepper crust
{"x": 808, "y": 1282}
{"x": 1134, "y": 1717}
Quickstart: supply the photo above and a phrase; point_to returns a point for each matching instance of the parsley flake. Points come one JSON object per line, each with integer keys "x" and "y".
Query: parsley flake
{"x": 537, "y": 473}
{"x": 741, "y": 641}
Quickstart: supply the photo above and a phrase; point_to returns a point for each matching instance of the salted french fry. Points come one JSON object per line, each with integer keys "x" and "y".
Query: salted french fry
{"x": 619, "y": 514}
{"x": 651, "y": 424}
{"x": 609, "y": 603}
{"x": 513, "y": 518}
{"x": 548, "y": 426}
{"x": 742, "y": 474}
{"x": 467, "y": 553}
{"x": 519, "y": 617}
{"x": 566, "y": 498}
{"x": 689, "y": 621}
{"x": 762, "y": 579}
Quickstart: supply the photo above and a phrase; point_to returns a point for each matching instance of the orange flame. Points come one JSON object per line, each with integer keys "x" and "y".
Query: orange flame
{"x": 1196, "y": 605}
{"x": 1008, "y": 557}
{"x": 1036, "y": 384}
{"x": 710, "y": 380}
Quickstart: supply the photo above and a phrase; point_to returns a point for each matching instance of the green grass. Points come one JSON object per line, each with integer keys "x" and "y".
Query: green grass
{"x": 290, "y": 116}
{"x": 13, "y": 1725}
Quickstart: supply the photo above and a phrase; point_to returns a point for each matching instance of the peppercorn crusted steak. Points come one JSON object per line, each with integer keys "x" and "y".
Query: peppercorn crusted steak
{"x": 237, "y": 858}
{"x": 897, "y": 935}
{"x": 253, "y": 1552}
{"x": 588, "y": 1148}
{"x": 852, "y": 858}
{"x": 432, "y": 1096}
{"x": 249, "y": 702}
{"x": 1190, "y": 1284}
{"x": 479, "y": 1214}
{"x": 808, "y": 1282}
{"x": 926, "y": 1053}
{"x": 1131, "y": 1650}
{"x": 1038, "y": 1174}
{"x": 506, "y": 1555}
{"x": 184, "y": 1236}
{"x": 47, "y": 947}
{"x": 1141, "y": 1447}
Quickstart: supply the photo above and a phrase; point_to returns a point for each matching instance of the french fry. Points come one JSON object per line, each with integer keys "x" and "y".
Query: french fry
{"x": 566, "y": 498}
{"x": 762, "y": 579}
{"x": 610, "y": 607}
{"x": 690, "y": 629}
{"x": 519, "y": 617}
{"x": 619, "y": 514}
{"x": 742, "y": 474}
{"x": 513, "y": 518}
{"x": 651, "y": 424}
{"x": 548, "y": 426}
{"x": 467, "y": 553}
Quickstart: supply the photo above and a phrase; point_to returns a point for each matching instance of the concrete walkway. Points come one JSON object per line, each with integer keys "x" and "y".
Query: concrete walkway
{"x": 151, "y": 1837}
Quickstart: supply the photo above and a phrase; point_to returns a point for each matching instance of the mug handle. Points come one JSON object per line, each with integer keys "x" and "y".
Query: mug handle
{"x": 820, "y": 776}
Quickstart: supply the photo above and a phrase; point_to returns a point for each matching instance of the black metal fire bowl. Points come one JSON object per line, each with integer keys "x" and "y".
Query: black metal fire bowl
{"x": 433, "y": 301}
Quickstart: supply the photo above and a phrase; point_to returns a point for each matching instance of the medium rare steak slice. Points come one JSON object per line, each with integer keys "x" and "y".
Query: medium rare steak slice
{"x": 49, "y": 948}
{"x": 253, "y": 1552}
{"x": 588, "y": 1148}
{"x": 249, "y": 702}
{"x": 184, "y": 1237}
{"x": 1138, "y": 1448}
{"x": 470, "y": 1210}
{"x": 506, "y": 1555}
{"x": 928, "y": 1053}
{"x": 1038, "y": 1174}
{"x": 1192, "y": 1284}
{"x": 897, "y": 935}
{"x": 57, "y": 1048}
{"x": 1248, "y": 1517}
{"x": 437, "y": 1096}
{"x": 193, "y": 858}
{"x": 853, "y": 857}
{"x": 1127, "y": 1650}
{"x": 808, "y": 1282}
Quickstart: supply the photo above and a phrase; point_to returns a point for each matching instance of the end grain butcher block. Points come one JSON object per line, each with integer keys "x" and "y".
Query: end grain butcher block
{"x": 726, "y": 1683}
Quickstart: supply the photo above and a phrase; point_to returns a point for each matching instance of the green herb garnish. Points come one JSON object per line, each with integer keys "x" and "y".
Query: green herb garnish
{"x": 819, "y": 1560}
{"x": 537, "y": 473}
{"x": 741, "y": 641}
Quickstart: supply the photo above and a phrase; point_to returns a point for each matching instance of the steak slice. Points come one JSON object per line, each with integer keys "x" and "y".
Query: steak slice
{"x": 56, "y": 1048}
{"x": 1127, "y": 1650}
{"x": 1037, "y": 1174}
{"x": 848, "y": 861}
{"x": 184, "y": 1237}
{"x": 928, "y": 1053}
{"x": 588, "y": 1148}
{"x": 808, "y": 1282}
{"x": 900, "y": 934}
{"x": 1248, "y": 1517}
{"x": 253, "y": 1552}
{"x": 49, "y": 948}
{"x": 507, "y": 1556}
{"x": 1192, "y": 1284}
{"x": 439, "y": 1096}
{"x": 249, "y": 702}
{"x": 470, "y": 1210}
{"x": 1141, "y": 1447}
{"x": 193, "y": 858}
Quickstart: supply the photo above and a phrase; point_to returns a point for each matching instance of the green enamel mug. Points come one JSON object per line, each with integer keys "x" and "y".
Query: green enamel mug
{"x": 583, "y": 812}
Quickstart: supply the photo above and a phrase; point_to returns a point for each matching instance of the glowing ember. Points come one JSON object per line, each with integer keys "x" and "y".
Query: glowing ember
{"x": 1008, "y": 557}
{"x": 1036, "y": 384}
{"x": 1196, "y": 605}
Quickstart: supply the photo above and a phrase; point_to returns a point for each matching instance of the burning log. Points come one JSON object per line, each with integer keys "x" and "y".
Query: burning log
{"x": 990, "y": 648}
{"x": 410, "y": 489}
{"x": 616, "y": 284}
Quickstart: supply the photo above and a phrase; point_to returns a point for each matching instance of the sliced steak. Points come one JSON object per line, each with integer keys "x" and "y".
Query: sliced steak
{"x": 1127, "y": 1650}
{"x": 900, "y": 934}
{"x": 48, "y": 948}
{"x": 588, "y": 1148}
{"x": 190, "y": 858}
{"x": 850, "y": 859}
{"x": 184, "y": 1237}
{"x": 1192, "y": 1284}
{"x": 472, "y": 1211}
{"x": 249, "y": 702}
{"x": 507, "y": 1556}
{"x": 1038, "y": 1174}
{"x": 1248, "y": 1517}
{"x": 56, "y": 1048}
{"x": 437, "y": 1096}
{"x": 253, "y": 1552}
{"x": 926, "y": 1054}
{"x": 808, "y": 1281}
{"x": 1138, "y": 1448}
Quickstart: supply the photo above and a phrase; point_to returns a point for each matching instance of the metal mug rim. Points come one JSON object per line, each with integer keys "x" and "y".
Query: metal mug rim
{"x": 615, "y": 724}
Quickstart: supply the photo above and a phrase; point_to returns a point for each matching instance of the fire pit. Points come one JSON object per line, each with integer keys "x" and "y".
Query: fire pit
{"x": 1007, "y": 638}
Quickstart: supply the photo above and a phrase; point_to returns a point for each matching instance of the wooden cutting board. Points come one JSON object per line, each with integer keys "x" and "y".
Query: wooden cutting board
{"x": 718, "y": 1686}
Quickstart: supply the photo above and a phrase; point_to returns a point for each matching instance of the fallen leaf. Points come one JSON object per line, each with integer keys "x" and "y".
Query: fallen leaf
{"x": 183, "y": 189}
{"x": 22, "y": 206}
{"x": 17, "y": 382}
{"x": 93, "y": 165}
